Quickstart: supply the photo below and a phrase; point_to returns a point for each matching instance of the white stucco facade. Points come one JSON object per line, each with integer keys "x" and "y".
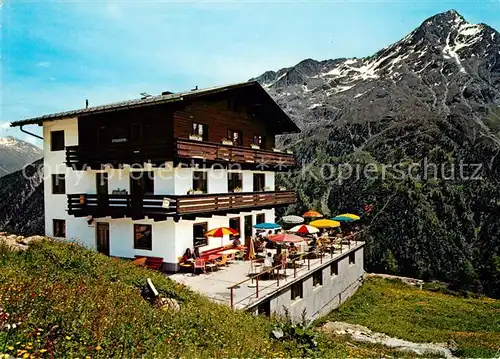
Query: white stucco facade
{"x": 169, "y": 238}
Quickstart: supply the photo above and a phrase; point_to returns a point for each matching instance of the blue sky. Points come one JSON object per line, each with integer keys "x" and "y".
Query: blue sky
{"x": 57, "y": 54}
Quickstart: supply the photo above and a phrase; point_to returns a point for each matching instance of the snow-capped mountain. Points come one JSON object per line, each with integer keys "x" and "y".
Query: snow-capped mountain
{"x": 431, "y": 98}
{"x": 14, "y": 154}
{"x": 445, "y": 66}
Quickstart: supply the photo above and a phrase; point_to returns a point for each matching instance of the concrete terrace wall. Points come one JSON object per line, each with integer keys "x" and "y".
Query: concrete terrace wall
{"x": 318, "y": 300}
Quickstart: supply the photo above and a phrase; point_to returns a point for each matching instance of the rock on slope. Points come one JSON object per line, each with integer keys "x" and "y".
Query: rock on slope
{"x": 14, "y": 154}
{"x": 21, "y": 200}
{"x": 433, "y": 96}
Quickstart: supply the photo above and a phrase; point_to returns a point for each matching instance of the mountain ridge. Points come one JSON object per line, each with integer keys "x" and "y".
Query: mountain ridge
{"x": 15, "y": 153}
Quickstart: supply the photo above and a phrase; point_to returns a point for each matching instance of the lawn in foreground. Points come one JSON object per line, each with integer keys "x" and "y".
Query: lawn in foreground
{"x": 406, "y": 312}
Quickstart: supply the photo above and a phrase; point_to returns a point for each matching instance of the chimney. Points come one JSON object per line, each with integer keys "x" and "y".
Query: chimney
{"x": 86, "y": 103}
{"x": 196, "y": 88}
{"x": 164, "y": 93}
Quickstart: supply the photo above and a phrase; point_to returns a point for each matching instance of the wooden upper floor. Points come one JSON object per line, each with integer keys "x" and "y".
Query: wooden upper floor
{"x": 231, "y": 124}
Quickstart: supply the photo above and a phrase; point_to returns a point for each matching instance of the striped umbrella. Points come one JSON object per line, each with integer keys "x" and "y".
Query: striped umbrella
{"x": 342, "y": 219}
{"x": 325, "y": 223}
{"x": 221, "y": 232}
{"x": 312, "y": 214}
{"x": 304, "y": 229}
{"x": 350, "y": 215}
{"x": 292, "y": 219}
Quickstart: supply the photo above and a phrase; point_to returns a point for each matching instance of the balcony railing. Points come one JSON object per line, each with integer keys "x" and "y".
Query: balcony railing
{"x": 216, "y": 152}
{"x": 162, "y": 206}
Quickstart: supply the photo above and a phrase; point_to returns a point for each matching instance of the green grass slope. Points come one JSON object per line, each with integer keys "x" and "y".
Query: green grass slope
{"x": 402, "y": 311}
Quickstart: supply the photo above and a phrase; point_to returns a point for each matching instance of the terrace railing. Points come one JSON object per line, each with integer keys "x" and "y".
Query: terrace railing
{"x": 171, "y": 205}
{"x": 299, "y": 266}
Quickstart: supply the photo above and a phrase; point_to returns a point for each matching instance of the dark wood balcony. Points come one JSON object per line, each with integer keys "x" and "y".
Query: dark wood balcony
{"x": 183, "y": 151}
{"x": 159, "y": 207}
{"x": 248, "y": 157}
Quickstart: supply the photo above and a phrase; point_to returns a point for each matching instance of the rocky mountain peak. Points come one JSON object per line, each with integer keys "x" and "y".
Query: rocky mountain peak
{"x": 15, "y": 153}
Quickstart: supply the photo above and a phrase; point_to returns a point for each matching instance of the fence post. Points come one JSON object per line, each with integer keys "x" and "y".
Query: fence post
{"x": 295, "y": 269}
{"x": 308, "y": 263}
{"x": 257, "y": 287}
{"x": 232, "y": 298}
{"x": 278, "y": 277}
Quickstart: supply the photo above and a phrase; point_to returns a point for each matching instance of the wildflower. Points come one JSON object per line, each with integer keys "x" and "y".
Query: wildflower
{"x": 98, "y": 347}
{"x": 10, "y": 348}
{"x": 42, "y": 350}
{"x": 68, "y": 337}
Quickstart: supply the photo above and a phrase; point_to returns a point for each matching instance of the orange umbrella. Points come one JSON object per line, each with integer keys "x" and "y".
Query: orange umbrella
{"x": 221, "y": 232}
{"x": 251, "y": 250}
{"x": 312, "y": 214}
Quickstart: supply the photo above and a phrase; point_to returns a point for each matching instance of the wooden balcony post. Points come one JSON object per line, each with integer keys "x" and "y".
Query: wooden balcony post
{"x": 232, "y": 298}
{"x": 257, "y": 286}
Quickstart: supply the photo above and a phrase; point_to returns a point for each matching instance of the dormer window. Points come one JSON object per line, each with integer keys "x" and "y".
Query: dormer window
{"x": 259, "y": 141}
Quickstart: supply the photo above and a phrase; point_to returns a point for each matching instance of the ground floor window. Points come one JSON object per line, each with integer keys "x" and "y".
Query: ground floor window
{"x": 260, "y": 218}
{"x": 318, "y": 278}
{"x": 199, "y": 238}
{"x": 352, "y": 258}
{"x": 334, "y": 269}
{"x": 143, "y": 236}
{"x": 297, "y": 290}
{"x": 234, "y": 223}
{"x": 59, "y": 228}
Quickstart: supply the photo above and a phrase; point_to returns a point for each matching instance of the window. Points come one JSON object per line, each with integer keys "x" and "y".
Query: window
{"x": 259, "y": 182}
{"x": 234, "y": 181}
{"x": 334, "y": 269}
{"x": 143, "y": 237}
{"x": 136, "y": 132}
{"x": 317, "y": 278}
{"x": 57, "y": 140}
{"x": 235, "y": 136}
{"x": 199, "y": 238}
{"x": 59, "y": 228}
{"x": 297, "y": 291}
{"x": 352, "y": 258}
{"x": 200, "y": 129}
{"x": 200, "y": 181}
{"x": 260, "y": 218}
{"x": 259, "y": 140}
{"x": 234, "y": 223}
{"x": 59, "y": 184}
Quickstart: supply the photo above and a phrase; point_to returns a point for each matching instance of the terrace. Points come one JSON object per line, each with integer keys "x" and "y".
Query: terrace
{"x": 241, "y": 285}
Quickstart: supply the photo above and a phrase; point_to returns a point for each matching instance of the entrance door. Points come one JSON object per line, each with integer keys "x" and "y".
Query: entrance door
{"x": 102, "y": 237}
{"x": 248, "y": 224}
{"x": 141, "y": 183}
{"x": 102, "y": 189}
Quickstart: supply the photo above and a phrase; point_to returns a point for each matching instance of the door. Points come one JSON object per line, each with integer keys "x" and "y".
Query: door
{"x": 248, "y": 225}
{"x": 102, "y": 237}
{"x": 102, "y": 189}
{"x": 141, "y": 184}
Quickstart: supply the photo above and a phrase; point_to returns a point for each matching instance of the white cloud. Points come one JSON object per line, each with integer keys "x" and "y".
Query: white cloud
{"x": 43, "y": 64}
{"x": 4, "y": 125}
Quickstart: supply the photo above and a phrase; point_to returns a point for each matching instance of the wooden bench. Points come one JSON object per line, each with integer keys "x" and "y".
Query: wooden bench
{"x": 152, "y": 262}
{"x": 184, "y": 265}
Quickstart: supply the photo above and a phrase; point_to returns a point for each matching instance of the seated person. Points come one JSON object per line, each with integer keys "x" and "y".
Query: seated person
{"x": 187, "y": 255}
{"x": 268, "y": 261}
{"x": 236, "y": 241}
{"x": 292, "y": 249}
{"x": 196, "y": 253}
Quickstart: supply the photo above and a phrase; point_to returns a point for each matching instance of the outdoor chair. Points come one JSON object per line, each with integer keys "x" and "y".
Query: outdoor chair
{"x": 222, "y": 262}
{"x": 210, "y": 265}
{"x": 199, "y": 264}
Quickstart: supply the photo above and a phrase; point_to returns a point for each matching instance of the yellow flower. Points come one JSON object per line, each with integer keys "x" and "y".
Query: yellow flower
{"x": 26, "y": 356}
{"x": 10, "y": 348}
{"x": 43, "y": 350}
{"x": 98, "y": 347}
{"x": 68, "y": 337}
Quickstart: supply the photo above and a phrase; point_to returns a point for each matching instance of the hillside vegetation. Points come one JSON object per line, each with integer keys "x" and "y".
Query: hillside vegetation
{"x": 405, "y": 312}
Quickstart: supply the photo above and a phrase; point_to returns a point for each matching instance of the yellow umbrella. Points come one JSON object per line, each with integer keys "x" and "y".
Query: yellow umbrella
{"x": 353, "y": 216}
{"x": 325, "y": 223}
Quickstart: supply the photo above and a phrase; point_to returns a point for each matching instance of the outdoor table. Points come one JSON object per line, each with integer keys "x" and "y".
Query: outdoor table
{"x": 229, "y": 251}
{"x": 213, "y": 257}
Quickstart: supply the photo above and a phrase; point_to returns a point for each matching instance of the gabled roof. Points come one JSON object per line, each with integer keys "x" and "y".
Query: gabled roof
{"x": 170, "y": 98}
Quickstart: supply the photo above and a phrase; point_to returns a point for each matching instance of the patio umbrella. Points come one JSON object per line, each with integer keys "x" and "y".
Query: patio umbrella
{"x": 267, "y": 225}
{"x": 292, "y": 219}
{"x": 342, "y": 219}
{"x": 285, "y": 237}
{"x": 353, "y": 216}
{"x": 221, "y": 232}
{"x": 251, "y": 250}
{"x": 304, "y": 229}
{"x": 325, "y": 223}
{"x": 312, "y": 214}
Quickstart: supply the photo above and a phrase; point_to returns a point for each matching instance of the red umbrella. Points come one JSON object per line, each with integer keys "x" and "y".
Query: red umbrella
{"x": 285, "y": 237}
{"x": 304, "y": 229}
